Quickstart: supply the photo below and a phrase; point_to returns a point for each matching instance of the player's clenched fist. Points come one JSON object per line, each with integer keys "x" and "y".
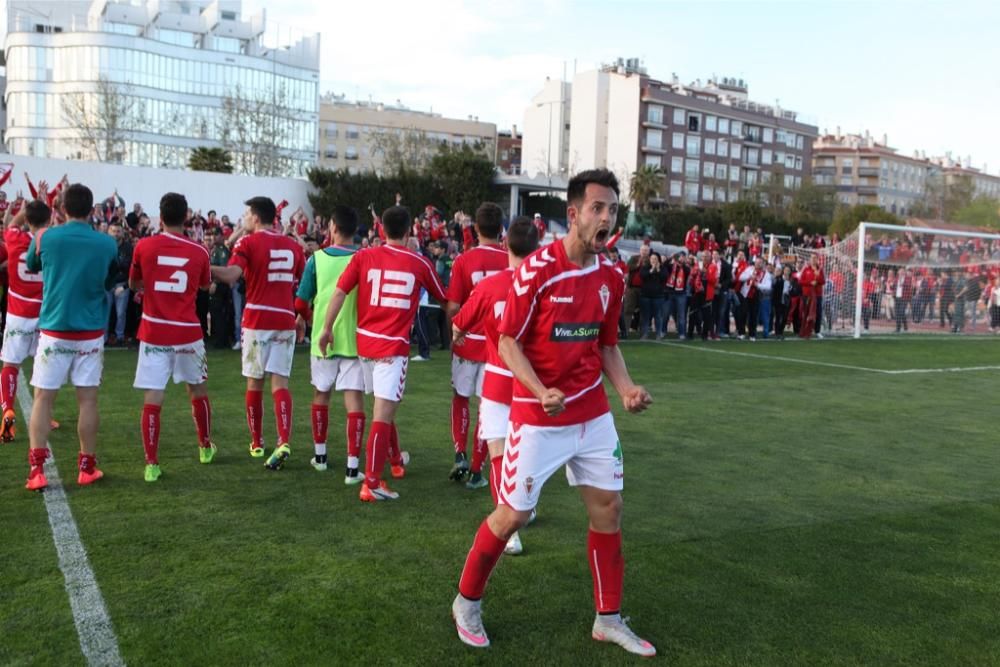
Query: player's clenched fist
{"x": 553, "y": 401}
{"x": 325, "y": 340}
{"x": 637, "y": 399}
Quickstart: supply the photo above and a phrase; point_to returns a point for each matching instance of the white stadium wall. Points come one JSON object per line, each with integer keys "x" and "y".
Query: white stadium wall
{"x": 223, "y": 193}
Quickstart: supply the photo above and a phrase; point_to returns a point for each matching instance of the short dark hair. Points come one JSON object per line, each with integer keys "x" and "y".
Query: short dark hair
{"x": 263, "y": 208}
{"x": 489, "y": 220}
{"x": 578, "y": 184}
{"x": 212, "y": 212}
{"x": 396, "y": 222}
{"x": 345, "y": 220}
{"x": 173, "y": 209}
{"x": 78, "y": 201}
{"x": 522, "y": 236}
{"x": 37, "y": 213}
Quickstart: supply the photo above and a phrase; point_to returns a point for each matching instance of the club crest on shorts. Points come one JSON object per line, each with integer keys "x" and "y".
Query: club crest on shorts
{"x": 529, "y": 484}
{"x": 605, "y": 295}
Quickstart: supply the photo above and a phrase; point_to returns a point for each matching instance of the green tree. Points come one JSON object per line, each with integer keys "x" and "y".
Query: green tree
{"x": 980, "y": 212}
{"x": 812, "y": 207}
{"x": 204, "y": 158}
{"x": 464, "y": 177}
{"x": 847, "y": 218}
{"x": 644, "y": 185}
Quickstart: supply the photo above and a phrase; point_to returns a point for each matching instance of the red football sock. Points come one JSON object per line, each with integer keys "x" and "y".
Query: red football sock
{"x": 151, "y": 431}
{"x": 483, "y": 556}
{"x": 479, "y": 452}
{"x": 86, "y": 462}
{"x": 37, "y": 455}
{"x": 201, "y": 410}
{"x": 355, "y": 433}
{"x": 460, "y": 422}
{"x": 395, "y": 455}
{"x": 320, "y": 422}
{"x": 255, "y": 405}
{"x": 607, "y": 567}
{"x": 8, "y": 387}
{"x": 283, "y": 414}
{"x": 377, "y": 450}
{"x": 495, "y": 464}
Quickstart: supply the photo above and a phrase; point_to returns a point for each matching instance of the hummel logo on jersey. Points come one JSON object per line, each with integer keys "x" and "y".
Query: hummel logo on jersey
{"x": 573, "y": 332}
{"x": 561, "y": 299}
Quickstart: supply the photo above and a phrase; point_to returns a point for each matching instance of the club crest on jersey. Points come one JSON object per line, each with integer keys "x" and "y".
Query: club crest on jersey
{"x": 605, "y": 295}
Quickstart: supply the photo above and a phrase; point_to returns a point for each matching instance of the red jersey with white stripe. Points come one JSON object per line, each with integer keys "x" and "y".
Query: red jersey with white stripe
{"x": 272, "y": 265}
{"x": 485, "y": 307}
{"x": 562, "y": 314}
{"x": 388, "y": 279}
{"x": 469, "y": 268}
{"x": 172, "y": 268}
{"x": 24, "y": 296}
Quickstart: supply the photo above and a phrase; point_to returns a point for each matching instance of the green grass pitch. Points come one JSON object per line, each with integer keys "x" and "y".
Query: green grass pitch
{"x": 776, "y": 513}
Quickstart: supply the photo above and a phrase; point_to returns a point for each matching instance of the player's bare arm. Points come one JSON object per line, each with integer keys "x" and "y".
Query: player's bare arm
{"x": 227, "y": 274}
{"x": 552, "y": 399}
{"x": 336, "y": 303}
{"x": 634, "y": 397}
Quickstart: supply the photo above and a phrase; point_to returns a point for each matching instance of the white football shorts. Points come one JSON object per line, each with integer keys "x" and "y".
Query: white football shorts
{"x": 386, "y": 378}
{"x": 467, "y": 377}
{"x": 159, "y": 363}
{"x": 20, "y": 339}
{"x": 340, "y": 373}
{"x": 59, "y": 360}
{"x": 267, "y": 351}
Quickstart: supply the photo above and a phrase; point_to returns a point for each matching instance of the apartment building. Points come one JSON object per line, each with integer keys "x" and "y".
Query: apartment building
{"x": 509, "y": 151}
{"x": 545, "y": 145}
{"x": 711, "y": 141}
{"x": 348, "y": 130}
{"x": 951, "y": 170}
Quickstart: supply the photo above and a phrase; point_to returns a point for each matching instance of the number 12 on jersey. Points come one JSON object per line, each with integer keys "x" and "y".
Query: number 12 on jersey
{"x": 396, "y": 283}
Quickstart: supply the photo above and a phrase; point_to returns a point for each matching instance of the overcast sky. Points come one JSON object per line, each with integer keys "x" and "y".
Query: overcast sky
{"x": 924, "y": 72}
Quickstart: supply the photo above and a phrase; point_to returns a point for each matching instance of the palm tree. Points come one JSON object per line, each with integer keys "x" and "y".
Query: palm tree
{"x": 645, "y": 184}
{"x": 211, "y": 159}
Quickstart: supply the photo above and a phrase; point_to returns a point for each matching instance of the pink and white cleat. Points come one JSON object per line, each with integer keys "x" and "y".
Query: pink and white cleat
{"x": 614, "y": 629}
{"x": 468, "y": 615}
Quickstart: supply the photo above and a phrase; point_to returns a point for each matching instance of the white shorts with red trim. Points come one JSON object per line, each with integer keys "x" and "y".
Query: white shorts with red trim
{"x": 342, "y": 373}
{"x": 386, "y": 378}
{"x": 59, "y": 360}
{"x": 467, "y": 377}
{"x": 267, "y": 351}
{"x": 493, "y": 419}
{"x": 590, "y": 451}
{"x": 159, "y": 363}
{"x": 20, "y": 339}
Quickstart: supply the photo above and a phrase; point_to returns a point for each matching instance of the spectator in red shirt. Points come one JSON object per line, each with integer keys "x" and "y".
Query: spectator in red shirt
{"x": 692, "y": 240}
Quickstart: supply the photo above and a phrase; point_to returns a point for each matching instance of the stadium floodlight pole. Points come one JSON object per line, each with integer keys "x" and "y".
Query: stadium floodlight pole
{"x": 859, "y": 280}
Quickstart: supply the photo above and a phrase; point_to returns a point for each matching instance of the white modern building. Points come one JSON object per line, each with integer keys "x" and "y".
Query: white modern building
{"x": 144, "y": 83}
{"x": 545, "y": 144}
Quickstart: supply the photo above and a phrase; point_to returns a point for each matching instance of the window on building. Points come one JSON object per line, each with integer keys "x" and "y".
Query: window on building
{"x": 707, "y": 193}
{"x": 844, "y": 180}
{"x": 723, "y": 126}
{"x": 790, "y": 139}
{"x": 352, "y": 132}
{"x": 651, "y": 161}
{"x": 768, "y": 135}
{"x": 708, "y": 170}
{"x": 752, "y": 156}
{"x": 765, "y": 177}
{"x": 654, "y": 138}
{"x": 654, "y": 113}
{"x": 710, "y": 146}
{"x": 677, "y": 140}
{"x": 691, "y": 193}
{"x": 737, "y": 128}
{"x": 693, "y": 147}
{"x": 734, "y": 175}
{"x": 798, "y": 162}
{"x": 721, "y": 172}
{"x": 749, "y": 178}
{"x": 722, "y": 149}
{"x": 351, "y": 153}
{"x": 691, "y": 170}
{"x": 798, "y": 182}
{"x": 765, "y": 156}
{"x": 227, "y": 15}
{"x": 734, "y": 195}
{"x": 679, "y": 117}
{"x": 799, "y": 142}
{"x": 781, "y": 137}
{"x": 734, "y": 151}
{"x": 694, "y": 122}
{"x": 711, "y": 123}
{"x": 330, "y": 153}
{"x": 330, "y": 131}
{"x": 676, "y": 165}
{"x": 676, "y": 188}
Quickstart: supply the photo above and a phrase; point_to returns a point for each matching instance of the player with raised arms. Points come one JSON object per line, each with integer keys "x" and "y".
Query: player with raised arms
{"x": 171, "y": 268}
{"x": 388, "y": 279}
{"x": 559, "y": 337}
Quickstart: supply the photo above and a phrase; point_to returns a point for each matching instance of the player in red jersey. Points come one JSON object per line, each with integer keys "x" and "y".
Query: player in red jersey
{"x": 468, "y": 359}
{"x": 558, "y": 334}
{"x": 272, "y": 264}
{"x": 24, "y": 301}
{"x": 484, "y": 309}
{"x": 388, "y": 279}
{"x": 170, "y": 269}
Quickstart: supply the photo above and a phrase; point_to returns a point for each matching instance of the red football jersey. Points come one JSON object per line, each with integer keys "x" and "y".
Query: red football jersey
{"x": 469, "y": 268}
{"x": 562, "y": 314}
{"x": 172, "y": 268}
{"x": 24, "y": 298}
{"x": 485, "y": 309}
{"x": 272, "y": 265}
{"x": 388, "y": 279}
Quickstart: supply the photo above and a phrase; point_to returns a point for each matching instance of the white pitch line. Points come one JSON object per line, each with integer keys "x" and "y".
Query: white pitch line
{"x": 810, "y": 362}
{"x": 90, "y": 615}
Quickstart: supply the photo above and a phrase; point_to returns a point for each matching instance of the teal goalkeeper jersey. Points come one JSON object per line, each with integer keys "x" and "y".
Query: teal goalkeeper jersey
{"x": 77, "y": 265}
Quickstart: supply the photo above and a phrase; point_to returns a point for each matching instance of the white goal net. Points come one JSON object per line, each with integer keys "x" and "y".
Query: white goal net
{"x": 888, "y": 279}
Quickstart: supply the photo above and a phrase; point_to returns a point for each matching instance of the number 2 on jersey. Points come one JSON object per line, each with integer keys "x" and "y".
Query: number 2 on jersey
{"x": 280, "y": 265}
{"x": 398, "y": 283}
{"x": 178, "y": 279}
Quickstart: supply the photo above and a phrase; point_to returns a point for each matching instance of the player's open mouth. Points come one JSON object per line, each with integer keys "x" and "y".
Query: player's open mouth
{"x": 602, "y": 235}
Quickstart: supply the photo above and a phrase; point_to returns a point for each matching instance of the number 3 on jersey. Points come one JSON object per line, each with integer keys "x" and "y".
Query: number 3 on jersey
{"x": 397, "y": 283}
{"x": 178, "y": 279}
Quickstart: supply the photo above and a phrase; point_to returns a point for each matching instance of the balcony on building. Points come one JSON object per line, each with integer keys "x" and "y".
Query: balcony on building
{"x": 752, "y": 138}
{"x": 868, "y": 171}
